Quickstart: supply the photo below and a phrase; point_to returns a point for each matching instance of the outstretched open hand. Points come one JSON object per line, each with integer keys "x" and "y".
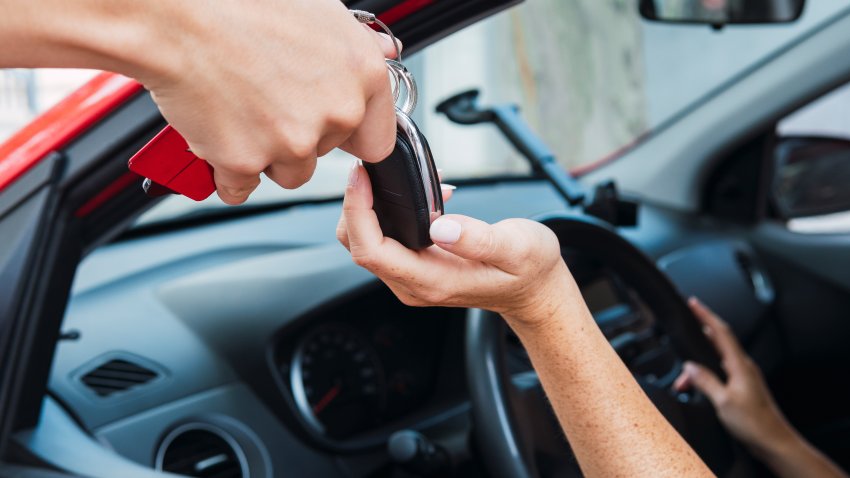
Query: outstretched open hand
{"x": 506, "y": 267}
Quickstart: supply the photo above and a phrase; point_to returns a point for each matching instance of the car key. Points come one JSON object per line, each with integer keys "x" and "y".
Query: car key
{"x": 406, "y": 187}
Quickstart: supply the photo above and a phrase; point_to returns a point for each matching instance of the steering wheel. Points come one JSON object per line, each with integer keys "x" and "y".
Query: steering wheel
{"x": 515, "y": 431}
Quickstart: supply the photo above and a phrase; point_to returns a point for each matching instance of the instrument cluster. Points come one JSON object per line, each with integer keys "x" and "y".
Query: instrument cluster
{"x": 370, "y": 366}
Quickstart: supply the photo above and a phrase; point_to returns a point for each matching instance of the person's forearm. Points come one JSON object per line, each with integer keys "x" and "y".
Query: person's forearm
{"x": 791, "y": 456}
{"x": 613, "y": 427}
{"x": 115, "y": 35}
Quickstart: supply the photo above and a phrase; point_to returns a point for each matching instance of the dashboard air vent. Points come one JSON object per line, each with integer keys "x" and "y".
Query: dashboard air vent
{"x": 117, "y": 375}
{"x": 202, "y": 451}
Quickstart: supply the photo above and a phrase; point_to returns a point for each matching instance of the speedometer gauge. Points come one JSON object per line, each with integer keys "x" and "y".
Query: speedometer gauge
{"x": 337, "y": 381}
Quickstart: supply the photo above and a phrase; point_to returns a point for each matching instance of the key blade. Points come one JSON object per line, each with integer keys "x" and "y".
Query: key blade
{"x": 155, "y": 190}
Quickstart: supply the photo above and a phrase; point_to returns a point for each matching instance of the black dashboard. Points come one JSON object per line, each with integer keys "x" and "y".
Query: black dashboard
{"x": 369, "y": 366}
{"x": 262, "y": 337}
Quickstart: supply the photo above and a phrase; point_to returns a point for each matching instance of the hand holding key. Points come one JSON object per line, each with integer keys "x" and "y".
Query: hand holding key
{"x": 271, "y": 96}
{"x": 407, "y": 191}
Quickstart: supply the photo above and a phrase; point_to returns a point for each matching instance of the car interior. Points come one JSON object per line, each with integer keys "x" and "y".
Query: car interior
{"x": 211, "y": 341}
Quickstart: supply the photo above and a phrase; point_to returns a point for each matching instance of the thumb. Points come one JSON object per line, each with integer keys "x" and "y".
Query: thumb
{"x": 705, "y": 381}
{"x": 478, "y": 241}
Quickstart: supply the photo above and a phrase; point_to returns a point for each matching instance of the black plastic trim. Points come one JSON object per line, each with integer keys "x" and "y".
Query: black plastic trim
{"x": 33, "y": 180}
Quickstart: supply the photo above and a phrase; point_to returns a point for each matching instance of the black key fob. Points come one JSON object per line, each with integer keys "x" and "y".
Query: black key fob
{"x": 406, "y": 187}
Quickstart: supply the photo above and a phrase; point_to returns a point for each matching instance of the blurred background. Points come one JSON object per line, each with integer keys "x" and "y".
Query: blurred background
{"x": 591, "y": 77}
{"x": 26, "y": 93}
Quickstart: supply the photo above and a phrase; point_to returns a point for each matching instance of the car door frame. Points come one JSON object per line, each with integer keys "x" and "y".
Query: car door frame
{"x": 75, "y": 192}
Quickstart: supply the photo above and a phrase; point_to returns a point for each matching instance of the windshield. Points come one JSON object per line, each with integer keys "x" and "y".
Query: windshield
{"x": 591, "y": 77}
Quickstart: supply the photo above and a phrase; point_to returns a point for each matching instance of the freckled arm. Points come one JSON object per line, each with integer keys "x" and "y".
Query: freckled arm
{"x": 613, "y": 427}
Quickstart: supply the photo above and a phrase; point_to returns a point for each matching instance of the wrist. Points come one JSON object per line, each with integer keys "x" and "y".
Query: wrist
{"x": 782, "y": 442}
{"x": 123, "y": 36}
{"x": 163, "y": 37}
{"x": 142, "y": 40}
{"x": 546, "y": 301}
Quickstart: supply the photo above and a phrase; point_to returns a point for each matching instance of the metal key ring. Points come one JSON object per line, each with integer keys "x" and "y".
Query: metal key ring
{"x": 403, "y": 76}
{"x": 399, "y": 74}
{"x": 367, "y": 18}
{"x": 395, "y": 84}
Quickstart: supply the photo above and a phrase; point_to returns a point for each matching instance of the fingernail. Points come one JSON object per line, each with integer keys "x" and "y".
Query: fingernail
{"x": 445, "y": 231}
{"x": 354, "y": 175}
{"x": 449, "y": 187}
{"x": 690, "y": 369}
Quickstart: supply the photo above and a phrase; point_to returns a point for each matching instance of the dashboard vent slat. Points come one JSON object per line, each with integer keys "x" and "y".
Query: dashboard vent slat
{"x": 117, "y": 375}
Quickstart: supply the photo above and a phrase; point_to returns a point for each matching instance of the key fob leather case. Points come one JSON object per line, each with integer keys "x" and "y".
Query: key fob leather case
{"x": 406, "y": 188}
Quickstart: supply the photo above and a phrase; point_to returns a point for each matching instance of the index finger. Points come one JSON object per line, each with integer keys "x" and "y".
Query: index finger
{"x": 232, "y": 187}
{"x": 719, "y": 333}
{"x": 374, "y": 138}
{"x": 386, "y": 43}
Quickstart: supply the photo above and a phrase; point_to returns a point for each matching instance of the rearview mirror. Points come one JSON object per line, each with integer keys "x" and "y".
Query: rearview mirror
{"x": 812, "y": 176}
{"x": 722, "y": 12}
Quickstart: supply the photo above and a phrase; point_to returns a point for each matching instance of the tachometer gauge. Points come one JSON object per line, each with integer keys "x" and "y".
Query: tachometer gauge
{"x": 337, "y": 381}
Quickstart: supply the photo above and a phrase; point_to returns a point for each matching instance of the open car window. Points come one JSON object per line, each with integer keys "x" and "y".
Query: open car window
{"x": 26, "y": 93}
{"x": 591, "y": 78}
